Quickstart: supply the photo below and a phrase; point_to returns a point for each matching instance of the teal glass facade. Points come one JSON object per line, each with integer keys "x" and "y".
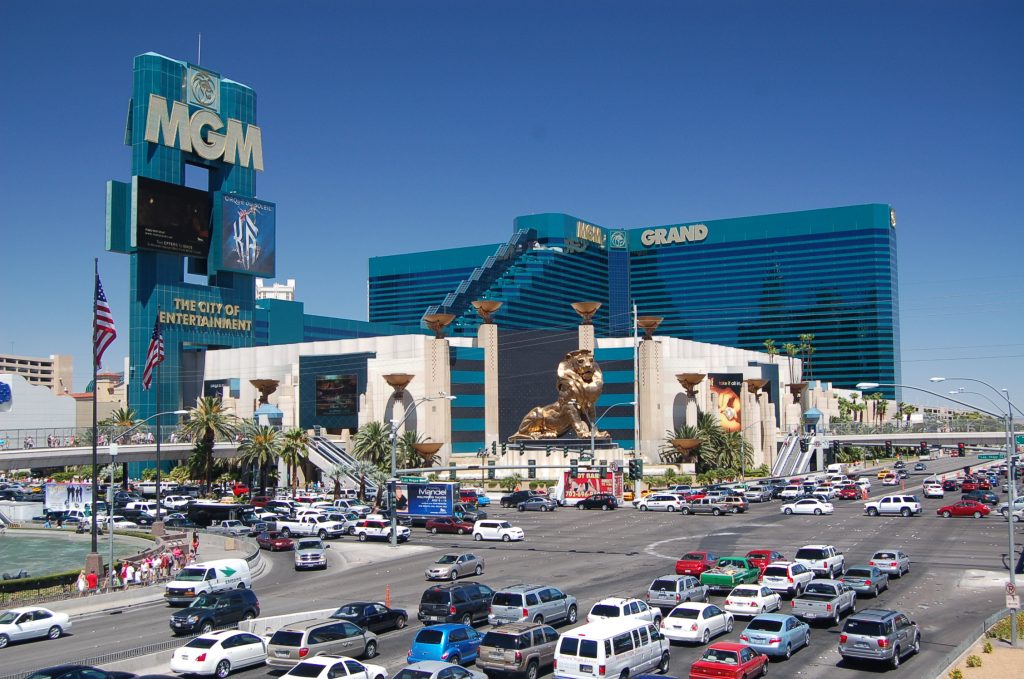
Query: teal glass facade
{"x": 831, "y": 273}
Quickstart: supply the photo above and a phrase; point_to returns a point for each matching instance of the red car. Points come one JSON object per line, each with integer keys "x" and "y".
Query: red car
{"x": 762, "y": 557}
{"x": 695, "y": 495}
{"x": 260, "y": 500}
{"x": 974, "y": 484}
{"x": 964, "y": 508}
{"x": 447, "y": 524}
{"x": 239, "y": 489}
{"x": 726, "y": 660}
{"x": 695, "y": 563}
{"x": 849, "y": 493}
{"x": 949, "y": 485}
{"x": 274, "y": 541}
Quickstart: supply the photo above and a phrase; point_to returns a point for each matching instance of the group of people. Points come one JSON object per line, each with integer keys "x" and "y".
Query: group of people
{"x": 137, "y": 573}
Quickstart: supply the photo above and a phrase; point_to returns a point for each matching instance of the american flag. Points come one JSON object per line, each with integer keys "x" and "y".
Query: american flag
{"x": 154, "y": 356}
{"x": 103, "y": 330}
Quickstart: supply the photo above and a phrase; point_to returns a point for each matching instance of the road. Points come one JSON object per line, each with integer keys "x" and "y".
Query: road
{"x": 955, "y": 581}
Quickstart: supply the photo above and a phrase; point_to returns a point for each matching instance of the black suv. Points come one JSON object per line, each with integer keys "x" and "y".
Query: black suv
{"x": 215, "y": 609}
{"x": 123, "y": 497}
{"x": 602, "y": 501}
{"x": 467, "y": 603}
{"x": 138, "y": 516}
{"x": 518, "y": 496}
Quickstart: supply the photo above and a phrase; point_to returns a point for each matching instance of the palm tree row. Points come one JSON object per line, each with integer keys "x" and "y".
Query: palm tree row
{"x": 719, "y": 450}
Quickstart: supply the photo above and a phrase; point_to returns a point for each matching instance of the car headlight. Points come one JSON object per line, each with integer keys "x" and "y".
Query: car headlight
{"x": 193, "y": 618}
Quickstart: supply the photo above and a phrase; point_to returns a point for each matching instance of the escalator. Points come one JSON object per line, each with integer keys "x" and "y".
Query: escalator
{"x": 327, "y": 456}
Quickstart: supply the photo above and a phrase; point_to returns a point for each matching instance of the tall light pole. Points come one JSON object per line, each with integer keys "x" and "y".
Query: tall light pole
{"x": 394, "y": 459}
{"x": 1011, "y": 485}
{"x": 593, "y": 425}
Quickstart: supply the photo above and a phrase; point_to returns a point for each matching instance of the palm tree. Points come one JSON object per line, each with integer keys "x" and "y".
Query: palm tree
{"x": 791, "y": 351}
{"x": 771, "y": 349}
{"x": 806, "y": 349}
{"x": 121, "y": 420}
{"x": 881, "y": 408}
{"x": 261, "y": 445}
{"x": 373, "y": 443}
{"x": 294, "y": 451}
{"x": 408, "y": 458}
{"x": 207, "y": 422}
{"x": 510, "y": 483}
{"x": 364, "y": 470}
{"x": 736, "y": 452}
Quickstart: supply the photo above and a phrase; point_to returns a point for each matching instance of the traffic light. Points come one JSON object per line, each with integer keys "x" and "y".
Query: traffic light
{"x": 532, "y": 471}
{"x": 636, "y": 469}
{"x": 574, "y": 466}
{"x": 836, "y": 448}
{"x": 924, "y": 447}
{"x": 452, "y": 476}
{"x": 490, "y": 471}
{"x": 494, "y": 447}
{"x": 960, "y": 448}
{"x": 804, "y": 446}
{"x": 504, "y": 447}
{"x": 888, "y": 448}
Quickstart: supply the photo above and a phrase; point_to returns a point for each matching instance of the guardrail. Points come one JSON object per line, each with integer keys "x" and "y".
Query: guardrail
{"x": 972, "y": 638}
{"x": 114, "y": 657}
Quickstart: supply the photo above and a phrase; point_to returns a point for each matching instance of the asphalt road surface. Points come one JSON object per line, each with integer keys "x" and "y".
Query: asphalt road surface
{"x": 956, "y": 579}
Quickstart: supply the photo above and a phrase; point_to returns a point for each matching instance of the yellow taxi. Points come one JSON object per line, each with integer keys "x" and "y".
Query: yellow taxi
{"x": 883, "y": 473}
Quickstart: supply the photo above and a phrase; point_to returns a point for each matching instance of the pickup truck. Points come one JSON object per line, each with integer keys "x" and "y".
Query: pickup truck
{"x": 231, "y": 527}
{"x": 729, "y": 572}
{"x": 825, "y": 600}
{"x": 311, "y": 524}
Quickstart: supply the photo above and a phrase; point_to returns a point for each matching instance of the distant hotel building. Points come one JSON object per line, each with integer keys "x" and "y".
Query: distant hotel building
{"x": 55, "y": 373}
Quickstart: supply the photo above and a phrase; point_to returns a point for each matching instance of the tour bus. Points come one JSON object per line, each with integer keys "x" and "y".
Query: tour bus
{"x": 205, "y": 514}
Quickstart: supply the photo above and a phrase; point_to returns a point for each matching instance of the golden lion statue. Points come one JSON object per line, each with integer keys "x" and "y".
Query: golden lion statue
{"x": 579, "y": 385}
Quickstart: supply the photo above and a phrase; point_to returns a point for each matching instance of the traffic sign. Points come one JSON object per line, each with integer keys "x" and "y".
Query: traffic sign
{"x": 991, "y": 456}
{"x": 1020, "y": 439}
{"x": 412, "y": 479}
{"x": 1011, "y": 589}
{"x": 1013, "y": 601}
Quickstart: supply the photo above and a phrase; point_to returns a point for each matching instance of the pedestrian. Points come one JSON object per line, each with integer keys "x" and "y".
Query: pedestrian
{"x": 178, "y": 557}
{"x": 138, "y": 574}
{"x": 165, "y": 565}
{"x": 92, "y": 580}
{"x": 195, "y": 543}
{"x": 129, "y": 576}
{"x": 82, "y": 583}
{"x": 144, "y": 572}
{"x": 124, "y": 575}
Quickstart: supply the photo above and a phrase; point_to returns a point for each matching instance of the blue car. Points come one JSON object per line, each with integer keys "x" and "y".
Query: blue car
{"x": 452, "y": 642}
{"x": 482, "y": 500}
{"x": 776, "y": 634}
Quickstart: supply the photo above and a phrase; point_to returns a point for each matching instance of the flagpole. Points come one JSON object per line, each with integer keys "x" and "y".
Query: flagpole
{"x": 95, "y": 460}
{"x": 158, "y": 525}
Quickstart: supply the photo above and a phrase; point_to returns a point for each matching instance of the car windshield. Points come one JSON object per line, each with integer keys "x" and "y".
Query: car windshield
{"x": 306, "y": 669}
{"x": 429, "y": 636}
{"x": 310, "y": 544}
{"x": 511, "y": 642}
{"x": 810, "y": 554}
{"x": 504, "y": 524}
{"x": 448, "y": 558}
{"x": 191, "y": 574}
{"x": 7, "y": 617}
{"x": 407, "y": 673}
{"x": 201, "y": 642}
{"x": 819, "y": 588}
{"x": 687, "y": 613}
{"x": 605, "y": 610}
{"x": 669, "y": 585}
{"x": 507, "y": 599}
{"x": 693, "y": 556}
{"x": 719, "y": 655}
{"x": 868, "y": 628}
{"x": 777, "y": 571}
{"x": 759, "y": 625}
{"x": 286, "y": 638}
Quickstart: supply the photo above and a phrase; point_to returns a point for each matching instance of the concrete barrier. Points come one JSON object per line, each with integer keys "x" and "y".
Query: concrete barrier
{"x": 265, "y": 627}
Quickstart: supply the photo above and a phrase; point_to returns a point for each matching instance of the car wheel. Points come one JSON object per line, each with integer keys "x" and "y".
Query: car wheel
{"x": 624, "y": 674}
{"x": 671, "y": 508}
{"x": 249, "y": 615}
{"x": 716, "y": 511}
{"x": 455, "y": 660}
{"x": 1016, "y": 518}
{"x": 400, "y": 622}
{"x": 579, "y": 505}
{"x": 479, "y": 569}
{"x": 434, "y": 531}
{"x": 764, "y": 670}
{"x": 461, "y": 531}
{"x": 286, "y": 532}
{"x": 664, "y": 664}
{"x": 643, "y": 508}
{"x": 522, "y": 508}
{"x": 946, "y": 514}
{"x": 604, "y": 508}
{"x": 877, "y": 590}
{"x": 506, "y": 537}
{"x": 764, "y": 609}
{"x": 322, "y": 534}
{"x": 916, "y": 648}
{"x": 807, "y": 639}
{"x": 706, "y": 637}
{"x": 895, "y": 662}
{"x": 223, "y": 669}
{"x": 206, "y": 627}
{"x": 728, "y": 626}
{"x": 789, "y": 651}
{"x": 872, "y": 512}
{"x": 4, "y": 640}
{"x": 835, "y": 617}
{"x": 539, "y": 619}
{"x": 817, "y": 512}
{"x": 454, "y": 575}
{"x": 904, "y": 512}
{"x": 788, "y": 510}
{"x": 685, "y": 511}
{"x": 531, "y": 670}
{"x": 571, "y": 616}
{"x": 977, "y": 515}
{"x": 362, "y": 537}
{"x": 371, "y": 649}
{"x": 55, "y": 632}
{"x": 657, "y": 621}
{"x": 477, "y": 537}
{"x": 467, "y": 620}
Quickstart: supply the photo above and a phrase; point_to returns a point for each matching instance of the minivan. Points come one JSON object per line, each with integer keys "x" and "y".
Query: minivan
{"x": 611, "y": 648}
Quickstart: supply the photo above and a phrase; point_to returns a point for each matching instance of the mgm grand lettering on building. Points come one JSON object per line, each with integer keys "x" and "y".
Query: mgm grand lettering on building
{"x": 174, "y": 128}
{"x": 674, "y": 234}
{"x": 594, "y": 234}
{"x": 203, "y": 314}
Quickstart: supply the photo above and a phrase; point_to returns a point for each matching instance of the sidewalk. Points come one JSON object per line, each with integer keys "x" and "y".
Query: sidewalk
{"x": 211, "y": 547}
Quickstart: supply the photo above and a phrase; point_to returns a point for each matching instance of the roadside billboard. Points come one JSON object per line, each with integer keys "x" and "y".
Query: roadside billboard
{"x": 583, "y": 484}
{"x": 64, "y": 496}
{"x": 425, "y": 499}
{"x": 726, "y": 394}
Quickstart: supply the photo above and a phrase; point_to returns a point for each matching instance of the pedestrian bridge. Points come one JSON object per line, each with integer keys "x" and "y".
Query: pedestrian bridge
{"x": 37, "y": 458}
{"x": 968, "y": 438}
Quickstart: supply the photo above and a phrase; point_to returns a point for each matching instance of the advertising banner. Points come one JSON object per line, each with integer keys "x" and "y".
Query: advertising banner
{"x": 64, "y": 496}
{"x": 583, "y": 484}
{"x": 246, "y": 234}
{"x": 336, "y": 394}
{"x": 424, "y": 499}
{"x": 726, "y": 394}
{"x": 170, "y": 218}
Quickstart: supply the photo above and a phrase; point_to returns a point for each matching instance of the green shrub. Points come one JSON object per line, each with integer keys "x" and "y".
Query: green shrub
{"x": 955, "y": 674}
{"x": 987, "y": 648}
{"x": 1001, "y": 630}
{"x": 973, "y": 661}
{"x": 533, "y": 485}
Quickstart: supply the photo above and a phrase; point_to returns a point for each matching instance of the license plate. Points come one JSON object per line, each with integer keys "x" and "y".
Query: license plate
{"x": 497, "y": 655}
{"x": 434, "y": 618}
{"x": 811, "y": 615}
{"x": 860, "y": 644}
{"x": 184, "y": 656}
{"x": 586, "y": 668}
{"x": 281, "y": 654}
{"x": 177, "y": 624}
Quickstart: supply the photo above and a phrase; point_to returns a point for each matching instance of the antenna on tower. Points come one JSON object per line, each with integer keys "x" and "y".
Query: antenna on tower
{"x": 199, "y": 57}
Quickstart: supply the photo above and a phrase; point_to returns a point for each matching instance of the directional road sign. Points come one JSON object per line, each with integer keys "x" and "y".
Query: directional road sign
{"x": 991, "y": 456}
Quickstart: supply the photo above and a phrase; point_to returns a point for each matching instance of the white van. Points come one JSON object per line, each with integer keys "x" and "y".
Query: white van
{"x": 209, "y": 576}
{"x": 611, "y": 648}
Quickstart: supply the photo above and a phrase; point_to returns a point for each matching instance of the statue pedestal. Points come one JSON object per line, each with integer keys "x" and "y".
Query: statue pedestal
{"x": 574, "y": 444}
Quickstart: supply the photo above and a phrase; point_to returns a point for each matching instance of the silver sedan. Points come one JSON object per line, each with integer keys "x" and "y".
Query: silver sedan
{"x": 451, "y": 566}
{"x": 537, "y": 504}
{"x": 891, "y": 561}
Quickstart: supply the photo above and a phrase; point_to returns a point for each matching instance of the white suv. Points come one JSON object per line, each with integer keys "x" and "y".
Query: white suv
{"x": 904, "y": 505}
{"x": 824, "y": 560}
{"x": 786, "y": 577}
{"x": 617, "y": 608}
{"x": 497, "y": 530}
{"x": 660, "y": 502}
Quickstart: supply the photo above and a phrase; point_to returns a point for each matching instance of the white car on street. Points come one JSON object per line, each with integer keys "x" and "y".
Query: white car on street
{"x": 218, "y": 653}
{"x": 490, "y": 529}
{"x": 119, "y": 522}
{"x": 660, "y": 502}
{"x": 696, "y": 622}
{"x": 32, "y": 622}
{"x": 336, "y": 667}
{"x": 617, "y": 608}
{"x": 790, "y": 492}
{"x": 934, "y": 490}
{"x": 808, "y": 506}
{"x": 752, "y": 600}
{"x": 863, "y": 483}
{"x": 786, "y": 577}
{"x": 177, "y": 501}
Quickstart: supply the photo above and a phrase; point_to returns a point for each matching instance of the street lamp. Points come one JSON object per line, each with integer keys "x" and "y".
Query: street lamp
{"x": 113, "y": 452}
{"x": 394, "y": 459}
{"x": 1008, "y": 421}
{"x": 593, "y": 425}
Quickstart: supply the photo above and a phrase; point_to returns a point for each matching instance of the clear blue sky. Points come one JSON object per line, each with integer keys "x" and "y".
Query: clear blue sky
{"x": 395, "y": 127}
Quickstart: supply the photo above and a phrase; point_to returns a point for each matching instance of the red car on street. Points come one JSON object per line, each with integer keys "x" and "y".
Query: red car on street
{"x": 762, "y": 557}
{"x": 694, "y": 495}
{"x": 726, "y": 660}
{"x": 964, "y": 508}
{"x": 447, "y": 524}
{"x": 849, "y": 493}
{"x": 274, "y": 541}
{"x": 695, "y": 563}
{"x": 974, "y": 484}
{"x": 260, "y": 500}
{"x": 239, "y": 489}
{"x": 950, "y": 485}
